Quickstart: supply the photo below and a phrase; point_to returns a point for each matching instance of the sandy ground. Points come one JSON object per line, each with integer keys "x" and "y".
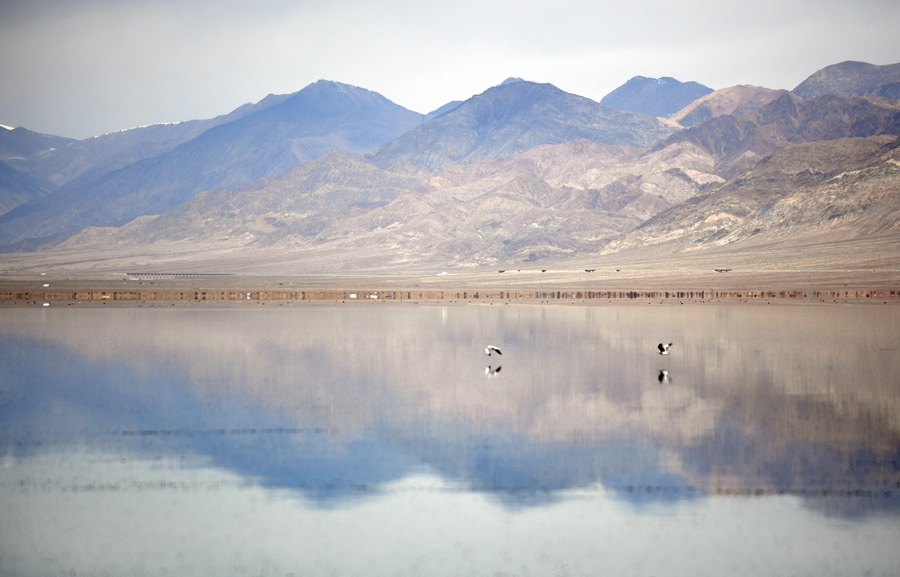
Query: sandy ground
{"x": 859, "y": 270}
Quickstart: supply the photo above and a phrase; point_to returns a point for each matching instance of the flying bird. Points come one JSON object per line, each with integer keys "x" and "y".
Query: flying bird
{"x": 664, "y": 348}
{"x": 491, "y": 348}
{"x": 664, "y": 376}
{"x": 491, "y": 372}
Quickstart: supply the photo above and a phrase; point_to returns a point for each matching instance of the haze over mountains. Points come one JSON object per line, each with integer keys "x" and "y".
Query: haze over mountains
{"x": 336, "y": 177}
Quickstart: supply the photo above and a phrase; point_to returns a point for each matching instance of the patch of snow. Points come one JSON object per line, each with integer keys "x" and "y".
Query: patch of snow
{"x": 137, "y": 128}
{"x": 7, "y": 127}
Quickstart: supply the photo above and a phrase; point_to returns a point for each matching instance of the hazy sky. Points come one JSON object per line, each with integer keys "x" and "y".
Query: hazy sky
{"x": 83, "y": 68}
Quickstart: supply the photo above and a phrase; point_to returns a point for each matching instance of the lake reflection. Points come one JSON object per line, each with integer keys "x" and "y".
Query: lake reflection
{"x": 374, "y": 439}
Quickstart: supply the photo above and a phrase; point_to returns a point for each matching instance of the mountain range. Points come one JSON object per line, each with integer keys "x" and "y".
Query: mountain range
{"x": 336, "y": 177}
{"x": 511, "y": 118}
{"x": 271, "y": 138}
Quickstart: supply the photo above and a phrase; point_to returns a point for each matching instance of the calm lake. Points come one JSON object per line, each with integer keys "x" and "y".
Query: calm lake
{"x": 379, "y": 439}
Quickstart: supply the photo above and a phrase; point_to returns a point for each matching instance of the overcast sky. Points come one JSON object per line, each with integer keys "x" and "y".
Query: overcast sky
{"x": 83, "y": 68}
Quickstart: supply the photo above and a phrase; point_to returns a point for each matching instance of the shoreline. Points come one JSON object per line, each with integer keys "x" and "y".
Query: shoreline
{"x": 42, "y": 291}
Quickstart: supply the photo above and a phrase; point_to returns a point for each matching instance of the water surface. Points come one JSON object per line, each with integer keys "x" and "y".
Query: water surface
{"x": 379, "y": 439}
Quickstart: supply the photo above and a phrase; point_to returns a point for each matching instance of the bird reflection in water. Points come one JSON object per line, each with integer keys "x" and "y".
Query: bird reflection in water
{"x": 490, "y": 371}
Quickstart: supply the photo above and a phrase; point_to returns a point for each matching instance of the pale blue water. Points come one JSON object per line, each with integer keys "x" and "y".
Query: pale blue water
{"x": 369, "y": 439}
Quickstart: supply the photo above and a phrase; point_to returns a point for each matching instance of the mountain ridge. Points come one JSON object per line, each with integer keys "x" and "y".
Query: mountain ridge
{"x": 521, "y": 173}
{"x": 509, "y": 118}
{"x": 323, "y": 116}
{"x": 851, "y": 79}
{"x": 64, "y": 162}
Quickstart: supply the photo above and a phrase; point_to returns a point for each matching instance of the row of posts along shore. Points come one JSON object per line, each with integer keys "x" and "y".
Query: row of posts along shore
{"x": 418, "y": 295}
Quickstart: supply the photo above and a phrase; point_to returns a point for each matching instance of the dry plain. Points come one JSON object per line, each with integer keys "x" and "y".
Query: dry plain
{"x": 863, "y": 270}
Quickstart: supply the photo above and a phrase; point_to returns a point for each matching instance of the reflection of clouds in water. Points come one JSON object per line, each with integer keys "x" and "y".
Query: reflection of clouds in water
{"x": 344, "y": 359}
{"x": 157, "y": 415}
{"x": 753, "y": 396}
{"x": 164, "y": 517}
{"x": 673, "y": 414}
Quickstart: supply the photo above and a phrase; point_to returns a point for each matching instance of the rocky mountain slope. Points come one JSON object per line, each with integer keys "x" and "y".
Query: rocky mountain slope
{"x": 833, "y": 190}
{"x": 654, "y": 96}
{"x": 17, "y": 187}
{"x": 551, "y": 201}
{"x": 548, "y": 203}
{"x": 733, "y": 101}
{"x": 739, "y": 142}
{"x": 302, "y": 201}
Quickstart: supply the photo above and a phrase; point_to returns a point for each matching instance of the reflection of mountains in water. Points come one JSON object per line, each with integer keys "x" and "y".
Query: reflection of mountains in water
{"x": 69, "y": 402}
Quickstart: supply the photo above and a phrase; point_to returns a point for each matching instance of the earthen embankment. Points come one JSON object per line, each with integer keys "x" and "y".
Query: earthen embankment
{"x": 126, "y": 294}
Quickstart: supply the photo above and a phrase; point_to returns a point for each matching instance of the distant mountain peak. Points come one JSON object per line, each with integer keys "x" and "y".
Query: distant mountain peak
{"x": 646, "y": 79}
{"x": 734, "y": 100}
{"x": 335, "y": 84}
{"x": 340, "y": 87}
{"x": 654, "y": 96}
{"x": 512, "y": 79}
{"x": 851, "y": 79}
{"x": 21, "y": 142}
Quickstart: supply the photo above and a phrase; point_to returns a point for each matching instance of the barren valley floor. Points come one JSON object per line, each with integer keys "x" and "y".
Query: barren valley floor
{"x": 864, "y": 270}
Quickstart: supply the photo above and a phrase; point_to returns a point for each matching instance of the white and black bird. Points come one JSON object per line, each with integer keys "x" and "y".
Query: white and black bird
{"x": 664, "y": 348}
{"x": 491, "y": 349}
{"x": 491, "y": 371}
{"x": 664, "y": 376}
